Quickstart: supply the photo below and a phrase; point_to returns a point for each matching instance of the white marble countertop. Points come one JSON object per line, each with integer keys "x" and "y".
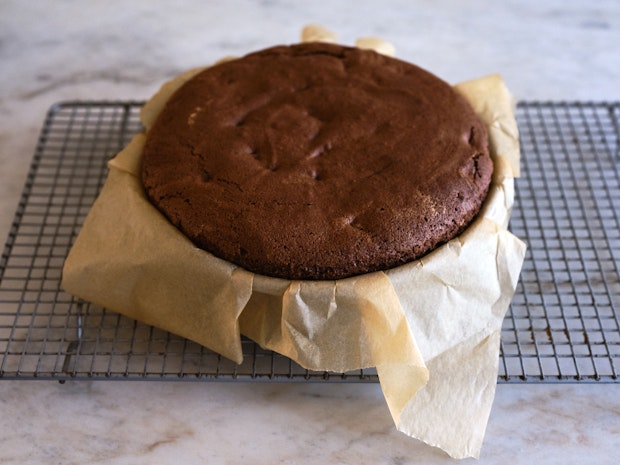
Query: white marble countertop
{"x": 66, "y": 50}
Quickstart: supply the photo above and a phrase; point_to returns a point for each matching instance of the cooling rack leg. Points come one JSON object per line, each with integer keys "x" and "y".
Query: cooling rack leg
{"x": 72, "y": 348}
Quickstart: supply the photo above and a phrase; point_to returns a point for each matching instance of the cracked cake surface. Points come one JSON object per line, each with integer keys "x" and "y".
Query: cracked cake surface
{"x": 317, "y": 161}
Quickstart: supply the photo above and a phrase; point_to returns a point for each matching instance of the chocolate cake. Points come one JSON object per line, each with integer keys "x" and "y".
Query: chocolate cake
{"x": 317, "y": 161}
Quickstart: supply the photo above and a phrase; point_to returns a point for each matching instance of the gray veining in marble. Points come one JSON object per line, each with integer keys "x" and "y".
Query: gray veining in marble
{"x": 152, "y": 422}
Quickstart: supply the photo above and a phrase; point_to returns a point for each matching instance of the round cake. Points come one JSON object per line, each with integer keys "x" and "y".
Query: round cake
{"x": 317, "y": 161}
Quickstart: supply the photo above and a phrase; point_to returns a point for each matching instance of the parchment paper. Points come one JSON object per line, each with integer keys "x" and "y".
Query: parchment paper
{"x": 431, "y": 327}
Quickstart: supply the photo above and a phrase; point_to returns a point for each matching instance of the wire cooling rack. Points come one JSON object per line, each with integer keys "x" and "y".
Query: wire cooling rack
{"x": 562, "y": 325}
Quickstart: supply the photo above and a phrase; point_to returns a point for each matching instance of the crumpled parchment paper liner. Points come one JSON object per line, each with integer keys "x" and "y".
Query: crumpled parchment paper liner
{"x": 431, "y": 327}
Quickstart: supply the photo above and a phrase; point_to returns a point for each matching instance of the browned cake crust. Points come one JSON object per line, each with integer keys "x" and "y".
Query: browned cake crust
{"x": 317, "y": 161}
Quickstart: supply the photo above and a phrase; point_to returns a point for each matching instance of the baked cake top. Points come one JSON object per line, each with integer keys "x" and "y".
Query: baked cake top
{"x": 317, "y": 161}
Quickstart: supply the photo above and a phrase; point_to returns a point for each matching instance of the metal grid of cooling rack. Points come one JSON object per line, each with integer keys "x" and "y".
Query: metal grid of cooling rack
{"x": 562, "y": 325}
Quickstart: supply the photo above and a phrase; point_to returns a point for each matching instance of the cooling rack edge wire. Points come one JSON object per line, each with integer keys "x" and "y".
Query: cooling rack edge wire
{"x": 562, "y": 325}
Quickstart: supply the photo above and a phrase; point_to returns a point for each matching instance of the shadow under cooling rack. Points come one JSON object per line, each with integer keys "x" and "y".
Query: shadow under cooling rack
{"x": 562, "y": 325}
